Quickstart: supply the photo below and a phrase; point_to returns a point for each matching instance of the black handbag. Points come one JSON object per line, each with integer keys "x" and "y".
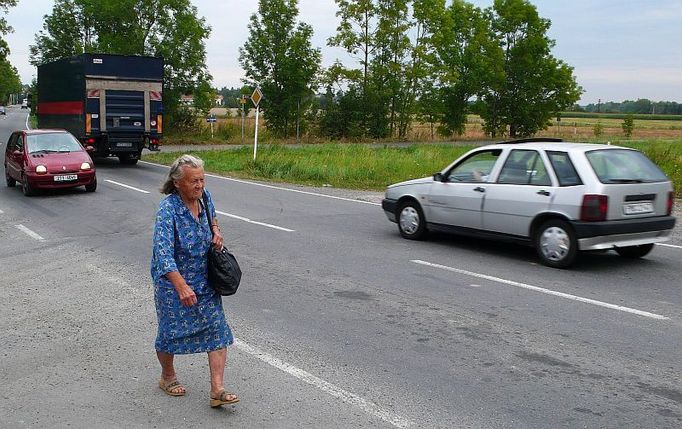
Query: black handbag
{"x": 224, "y": 273}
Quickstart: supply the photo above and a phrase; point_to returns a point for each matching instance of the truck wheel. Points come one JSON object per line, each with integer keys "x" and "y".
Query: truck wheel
{"x": 634, "y": 252}
{"x": 127, "y": 159}
{"x": 556, "y": 244}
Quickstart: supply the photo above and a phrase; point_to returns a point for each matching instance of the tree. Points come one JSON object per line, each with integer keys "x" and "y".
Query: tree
{"x": 463, "y": 57}
{"x": 534, "y": 85}
{"x": 356, "y": 32}
{"x": 278, "y": 57}
{"x": 10, "y": 83}
{"x": 165, "y": 28}
{"x": 9, "y": 77}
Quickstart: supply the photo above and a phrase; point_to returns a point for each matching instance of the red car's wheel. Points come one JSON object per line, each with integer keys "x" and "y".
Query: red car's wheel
{"x": 26, "y": 188}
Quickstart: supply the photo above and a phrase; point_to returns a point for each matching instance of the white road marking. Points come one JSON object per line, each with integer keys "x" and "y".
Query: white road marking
{"x": 669, "y": 245}
{"x": 254, "y": 222}
{"x": 217, "y": 211}
{"x": 28, "y": 127}
{"x": 28, "y": 232}
{"x": 1, "y": 212}
{"x": 279, "y": 187}
{"x": 542, "y": 290}
{"x": 329, "y": 388}
{"x": 128, "y": 186}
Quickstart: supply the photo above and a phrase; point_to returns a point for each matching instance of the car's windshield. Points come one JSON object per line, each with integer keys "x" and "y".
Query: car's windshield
{"x": 54, "y": 142}
{"x": 624, "y": 166}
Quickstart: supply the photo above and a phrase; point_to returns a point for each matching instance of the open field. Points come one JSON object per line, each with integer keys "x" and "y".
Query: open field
{"x": 228, "y": 130}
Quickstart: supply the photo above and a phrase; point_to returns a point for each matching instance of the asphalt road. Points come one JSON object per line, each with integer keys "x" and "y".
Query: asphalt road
{"x": 340, "y": 322}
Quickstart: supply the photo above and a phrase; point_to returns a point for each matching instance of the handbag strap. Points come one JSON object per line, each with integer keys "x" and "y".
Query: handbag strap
{"x": 204, "y": 197}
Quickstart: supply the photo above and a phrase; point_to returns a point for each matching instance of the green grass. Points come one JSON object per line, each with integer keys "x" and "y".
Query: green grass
{"x": 368, "y": 167}
{"x": 350, "y": 166}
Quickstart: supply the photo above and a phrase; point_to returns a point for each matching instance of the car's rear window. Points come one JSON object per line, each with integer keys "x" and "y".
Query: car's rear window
{"x": 624, "y": 166}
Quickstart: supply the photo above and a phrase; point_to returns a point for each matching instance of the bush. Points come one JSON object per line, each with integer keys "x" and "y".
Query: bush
{"x": 598, "y": 129}
{"x": 628, "y": 125}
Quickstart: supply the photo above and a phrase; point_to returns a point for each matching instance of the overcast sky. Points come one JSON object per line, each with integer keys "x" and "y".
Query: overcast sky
{"x": 620, "y": 49}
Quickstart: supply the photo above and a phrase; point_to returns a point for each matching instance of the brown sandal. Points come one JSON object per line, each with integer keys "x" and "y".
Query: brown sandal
{"x": 222, "y": 399}
{"x": 171, "y": 387}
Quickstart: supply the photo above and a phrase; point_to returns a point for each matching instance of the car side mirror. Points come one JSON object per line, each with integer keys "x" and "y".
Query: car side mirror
{"x": 438, "y": 177}
{"x": 17, "y": 153}
{"x": 89, "y": 149}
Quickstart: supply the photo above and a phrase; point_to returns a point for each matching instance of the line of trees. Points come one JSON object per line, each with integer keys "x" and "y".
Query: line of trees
{"x": 640, "y": 106}
{"x": 10, "y": 83}
{"x": 428, "y": 59}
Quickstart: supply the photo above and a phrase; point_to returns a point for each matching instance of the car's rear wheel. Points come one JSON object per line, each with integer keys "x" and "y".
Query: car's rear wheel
{"x": 9, "y": 180}
{"x": 635, "y": 252}
{"x": 556, "y": 244}
{"x": 26, "y": 188}
{"x": 91, "y": 187}
{"x": 411, "y": 222}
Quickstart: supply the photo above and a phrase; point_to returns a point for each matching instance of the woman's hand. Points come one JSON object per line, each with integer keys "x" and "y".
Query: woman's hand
{"x": 217, "y": 238}
{"x": 187, "y": 296}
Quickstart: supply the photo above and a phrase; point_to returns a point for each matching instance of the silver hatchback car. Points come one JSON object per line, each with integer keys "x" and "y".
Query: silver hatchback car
{"x": 559, "y": 197}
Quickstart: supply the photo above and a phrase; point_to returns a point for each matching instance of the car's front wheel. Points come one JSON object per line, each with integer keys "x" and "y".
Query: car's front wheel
{"x": 635, "y": 252}
{"x": 411, "y": 222}
{"x": 9, "y": 180}
{"x": 26, "y": 188}
{"x": 556, "y": 244}
{"x": 91, "y": 187}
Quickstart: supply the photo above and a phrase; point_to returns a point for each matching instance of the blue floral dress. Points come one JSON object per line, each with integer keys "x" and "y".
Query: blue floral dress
{"x": 180, "y": 244}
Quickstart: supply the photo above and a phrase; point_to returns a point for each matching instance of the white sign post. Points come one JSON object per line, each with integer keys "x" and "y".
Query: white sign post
{"x": 256, "y": 97}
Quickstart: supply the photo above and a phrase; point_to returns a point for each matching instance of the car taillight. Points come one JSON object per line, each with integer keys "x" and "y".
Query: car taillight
{"x": 91, "y": 141}
{"x": 670, "y": 203}
{"x": 594, "y": 208}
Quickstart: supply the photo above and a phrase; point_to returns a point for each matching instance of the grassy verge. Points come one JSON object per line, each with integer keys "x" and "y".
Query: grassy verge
{"x": 357, "y": 166}
{"x": 350, "y": 166}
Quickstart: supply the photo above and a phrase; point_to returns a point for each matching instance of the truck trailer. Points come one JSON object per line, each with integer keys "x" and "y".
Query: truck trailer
{"x": 111, "y": 103}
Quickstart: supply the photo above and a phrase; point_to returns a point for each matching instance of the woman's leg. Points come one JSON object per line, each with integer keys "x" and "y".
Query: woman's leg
{"x": 168, "y": 370}
{"x": 216, "y": 365}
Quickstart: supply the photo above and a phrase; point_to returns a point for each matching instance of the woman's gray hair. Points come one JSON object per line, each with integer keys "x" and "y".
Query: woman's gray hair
{"x": 176, "y": 171}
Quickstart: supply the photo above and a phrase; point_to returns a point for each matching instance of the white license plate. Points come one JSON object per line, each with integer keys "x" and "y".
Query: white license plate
{"x": 638, "y": 208}
{"x": 65, "y": 177}
{"x": 124, "y": 144}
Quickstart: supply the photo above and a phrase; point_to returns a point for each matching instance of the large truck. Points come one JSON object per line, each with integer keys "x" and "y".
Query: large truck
{"x": 111, "y": 103}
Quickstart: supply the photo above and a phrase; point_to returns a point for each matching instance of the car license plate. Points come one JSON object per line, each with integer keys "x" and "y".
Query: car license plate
{"x": 638, "y": 208}
{"x": 124, "y": 144}
{"x": 65, "y": 177}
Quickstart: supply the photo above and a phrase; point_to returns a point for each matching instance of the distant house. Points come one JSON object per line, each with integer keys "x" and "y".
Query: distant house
{"x": 219, "y": 100}
{"x": 187, "y": 100}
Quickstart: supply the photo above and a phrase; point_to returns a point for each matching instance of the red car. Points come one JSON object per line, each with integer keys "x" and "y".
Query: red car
{"x": 47, "y": 159}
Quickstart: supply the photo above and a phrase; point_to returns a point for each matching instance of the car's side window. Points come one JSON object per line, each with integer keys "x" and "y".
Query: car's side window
{"x": 475, "y": 168}
{"x": 524, "y": 167}
{"x": 564, "y": 169}
{"x": 20, "y": 143}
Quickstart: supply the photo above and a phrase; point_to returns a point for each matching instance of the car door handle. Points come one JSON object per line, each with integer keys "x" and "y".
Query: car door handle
{"x": 479, "y": 189}
{"x": 543, "y": 192}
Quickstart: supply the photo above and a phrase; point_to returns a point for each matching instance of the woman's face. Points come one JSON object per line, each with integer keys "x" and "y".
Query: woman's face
{"x": 191, "y": 186}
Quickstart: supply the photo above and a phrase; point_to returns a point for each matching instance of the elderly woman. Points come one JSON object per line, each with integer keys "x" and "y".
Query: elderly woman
{"x": 190, "y": 313}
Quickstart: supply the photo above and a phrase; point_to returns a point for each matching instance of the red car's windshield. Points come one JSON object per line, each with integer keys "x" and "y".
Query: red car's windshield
{"x": 57, "y": 142}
